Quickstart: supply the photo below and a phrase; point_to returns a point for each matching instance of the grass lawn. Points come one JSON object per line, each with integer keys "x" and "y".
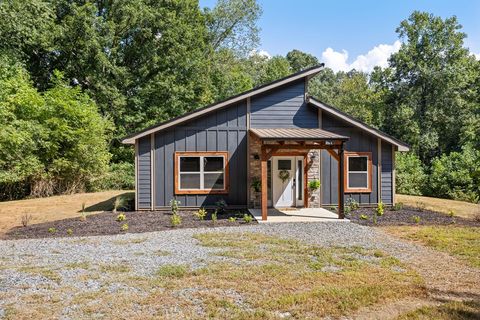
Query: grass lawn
{"x": 259, "y": 277}
{"x": 449, "y": 311}
{"x": 462, "y": 242}
{"x": 462, "y": 209}
{"x": 54, "y": 208}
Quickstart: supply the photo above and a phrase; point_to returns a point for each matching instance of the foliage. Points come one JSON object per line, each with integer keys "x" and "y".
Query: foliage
{"x": 352, "y": 204}
{"x": 214, "y": 217}
{"x": 121, "y": 217}
{"x": 416, "y": 219}
{"x": 175, "y": 220}
{"x": 363, "y": 217}
{"x": 201, "y": 214}
{"x": 221, "y": 206}
{"x": 232, "y": 219}
{"x": 256, "y": 184}
{"x": 314, "y": 184}
{"x": 174, "y": 203}
{"x": 380, "y": 209}
{"x": 69, "y": 231}
{"x": 52, "y": 230}
{"x": 410, "y": 175}
{"x": 456, "y": 175}
{"x": 421, "y": 206}
{"x": 247, "y": 218}
{"x": 451, "y": 213}
{"x": 119, "y": 203}
{"x": 124, "y": 227}
{"x": 299, "y": 60}
{"x": 119, "y": 176}
{"x": 397, "y": 206}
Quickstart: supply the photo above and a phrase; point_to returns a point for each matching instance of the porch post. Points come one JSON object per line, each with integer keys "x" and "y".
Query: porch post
{"x": 341, "y": 187}
{"x": 264, "y": 184}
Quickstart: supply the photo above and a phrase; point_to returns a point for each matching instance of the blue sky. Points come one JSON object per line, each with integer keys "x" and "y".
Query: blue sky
{"x": 351, "y": 28}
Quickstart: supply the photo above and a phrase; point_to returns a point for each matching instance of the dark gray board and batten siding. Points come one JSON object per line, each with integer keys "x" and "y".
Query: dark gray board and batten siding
{"x": 360, "y": 141}
{"x": 221, "y": 130}
{"x": 284, "y": 107}
{"x": 144, "y": 173}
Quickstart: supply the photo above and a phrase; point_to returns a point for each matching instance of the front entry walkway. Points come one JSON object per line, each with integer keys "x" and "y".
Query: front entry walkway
{"x": 296, "y": 215}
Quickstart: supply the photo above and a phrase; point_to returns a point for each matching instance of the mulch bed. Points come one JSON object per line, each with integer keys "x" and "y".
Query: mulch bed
{"x": 105, "y": 224}
{"x": 406, "y": 216}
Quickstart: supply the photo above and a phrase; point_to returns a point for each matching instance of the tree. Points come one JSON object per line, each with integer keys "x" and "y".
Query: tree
{"x": 431, "y": 81}
{"x": 410, "y": 174}
{"x": 299, "y": 60}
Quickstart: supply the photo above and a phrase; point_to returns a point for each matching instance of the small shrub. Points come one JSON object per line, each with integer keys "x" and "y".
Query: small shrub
{"x": 416, "y": 219}
{"x": 121, "y": 217}
{"x": 314, "y": 185}
{"x": 420, "y": 206}
{"x": 347, "y": 210}
{"x": 451, "y": 213}
{"x": 374, "y": 219}
{"x": 363, "y": 217}
{"x": 256, "y": 184}
{"x": 124, "y": 227}
{"x": 119, "y": 203}
{"x": 69, "y": 231}
{"x": 247, "y": 218}
{"x": 174, "y": 204}
{"x": 397, "y": 206}
{"x": 26, "y": 218}
{"x": 221, "y": 206}
{"x": 214, "y": 216}
{"x": 201, "y": 214}
{"x": 83, "y": 215}
{"x": 175, "y": 220}
{"x": 120, "y": 176}
{"x": 380, "y": 210}
{"x": 52, "y": 230}
{"x": 352, "y": 204}
{"x": 232, "y": 219}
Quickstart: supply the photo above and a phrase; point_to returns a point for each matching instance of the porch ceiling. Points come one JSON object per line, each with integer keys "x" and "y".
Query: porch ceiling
{"x": 296, "y": 134}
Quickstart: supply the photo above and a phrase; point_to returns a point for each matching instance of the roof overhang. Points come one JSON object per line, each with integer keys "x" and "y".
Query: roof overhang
{"x": 297, "y": 134}
{"x": 359, "y": 124}
{"x": 308, "y": 73}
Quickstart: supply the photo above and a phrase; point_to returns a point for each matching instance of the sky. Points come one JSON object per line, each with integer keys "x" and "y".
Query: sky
{"x": 352, "y": 34}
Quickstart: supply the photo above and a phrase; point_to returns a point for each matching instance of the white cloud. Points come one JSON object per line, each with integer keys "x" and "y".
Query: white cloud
{"x": 261, "y": 53}
{"x": 378, "y": 56}
{"x": 477, "y": 56}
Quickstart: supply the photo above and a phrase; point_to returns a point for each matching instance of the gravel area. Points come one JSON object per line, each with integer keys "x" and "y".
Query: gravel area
{"x": 38, "y": 265}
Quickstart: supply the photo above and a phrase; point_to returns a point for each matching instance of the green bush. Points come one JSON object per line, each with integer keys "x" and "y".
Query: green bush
{"x": 120, "y": 176}
{"x": 410, "y": 174}
{"x": 201, "y": 214}
{"x": 247, "y": 218}
{"x": 124, "y": 227}
{"x": 121, "y": 217}
{"x": 456, "y": 176}
{"x": 380, "y": 210}
{"x": 397, "y": 206}
{"x": 174, "y": 204}
{"x": 175, "y": 220}
{"x": 214, "y": 217}
{"x": 314, "y": 184}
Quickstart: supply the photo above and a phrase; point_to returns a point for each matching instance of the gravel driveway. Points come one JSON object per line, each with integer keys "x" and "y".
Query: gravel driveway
{"x": 35, "y": 265}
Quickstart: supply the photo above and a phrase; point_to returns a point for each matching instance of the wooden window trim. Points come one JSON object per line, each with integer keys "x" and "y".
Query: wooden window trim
{"x": 199, "y": 154}
{"x": 369, "y": 168}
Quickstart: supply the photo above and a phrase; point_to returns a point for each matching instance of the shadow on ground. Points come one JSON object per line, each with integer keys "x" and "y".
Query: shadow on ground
{"x": 107, "y": 205}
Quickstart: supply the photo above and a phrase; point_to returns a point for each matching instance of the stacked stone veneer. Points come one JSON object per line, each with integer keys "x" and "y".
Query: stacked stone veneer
{"x": 313, "y": 165}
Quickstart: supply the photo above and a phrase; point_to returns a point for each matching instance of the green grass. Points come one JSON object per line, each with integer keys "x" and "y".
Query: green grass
{"x": 462, "y": 242}
{"x": 448, "y": 311}
{"x": 172, "y": 271}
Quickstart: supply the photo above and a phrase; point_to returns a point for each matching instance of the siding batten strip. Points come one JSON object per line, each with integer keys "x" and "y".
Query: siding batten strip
{"x": 379, "y": 170}
{"x": 393, "y": 175}
{"x": 136, "y": 175}
{"x": 248, "y": 152}
{"x": 152, "y": 169}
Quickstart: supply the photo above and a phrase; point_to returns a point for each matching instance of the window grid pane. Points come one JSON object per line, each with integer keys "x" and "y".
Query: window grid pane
{"x": 209, "y": 176}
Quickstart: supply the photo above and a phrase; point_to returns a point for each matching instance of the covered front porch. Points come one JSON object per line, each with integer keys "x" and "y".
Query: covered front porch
{"x": 286, "y": 151}
{"x": 296, "y": 215}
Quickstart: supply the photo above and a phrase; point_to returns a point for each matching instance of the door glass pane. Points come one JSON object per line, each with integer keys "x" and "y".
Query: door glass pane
{"x": 300, "y": 180}
{"x": 357, "y": 163}
{"x": 189, "y": 181}
{"x": 213, "y": 163}
{"x": 284, "y": 164}
{"x": 190, "y": 164}
{"x": 213, "y": 181}
{"x": 358, "y": 180}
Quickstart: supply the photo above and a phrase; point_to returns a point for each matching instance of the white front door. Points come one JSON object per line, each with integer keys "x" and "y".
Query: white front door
{"x": 283, "y": 178}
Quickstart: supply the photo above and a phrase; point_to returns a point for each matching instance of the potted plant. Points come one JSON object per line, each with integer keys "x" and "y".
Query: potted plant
{"x": 257, "y": 187}
{"x": 313, "y": 185}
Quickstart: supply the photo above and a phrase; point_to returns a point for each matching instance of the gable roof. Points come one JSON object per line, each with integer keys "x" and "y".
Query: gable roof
{"x": 307, "y": 73}
{"x": 357, "y": 123}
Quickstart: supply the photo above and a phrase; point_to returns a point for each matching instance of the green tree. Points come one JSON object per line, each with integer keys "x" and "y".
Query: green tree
{"x": 410, "y": 174}
{"x": 300, "y": 60}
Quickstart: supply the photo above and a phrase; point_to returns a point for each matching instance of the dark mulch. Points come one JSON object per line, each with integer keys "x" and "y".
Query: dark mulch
{"x": 406, "y": 216}
{"x": 105, "y": 224}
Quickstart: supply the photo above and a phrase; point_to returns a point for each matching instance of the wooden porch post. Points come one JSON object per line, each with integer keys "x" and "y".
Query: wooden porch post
{"x": 264, "y": 184}
{"x": 341, "y": 187}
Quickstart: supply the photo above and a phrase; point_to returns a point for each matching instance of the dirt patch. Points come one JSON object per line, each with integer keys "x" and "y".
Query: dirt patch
{"x": 106, "y": 223}
{"x": 408, "y": 216}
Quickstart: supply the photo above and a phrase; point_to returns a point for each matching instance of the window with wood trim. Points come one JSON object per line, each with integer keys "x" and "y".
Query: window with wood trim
{"x": 358, "y": 172}
{"x": 201, "y": 172}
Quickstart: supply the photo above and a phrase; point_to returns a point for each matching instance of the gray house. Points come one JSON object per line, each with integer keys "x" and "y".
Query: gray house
{"x": 275, "y": 134}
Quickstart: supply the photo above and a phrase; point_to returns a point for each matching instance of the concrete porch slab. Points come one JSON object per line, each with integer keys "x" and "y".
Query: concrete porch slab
{"x": 296, "y": 215}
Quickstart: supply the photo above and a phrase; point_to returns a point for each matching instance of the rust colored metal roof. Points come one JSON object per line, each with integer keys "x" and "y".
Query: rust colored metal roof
{"x": 297, "y": 134}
